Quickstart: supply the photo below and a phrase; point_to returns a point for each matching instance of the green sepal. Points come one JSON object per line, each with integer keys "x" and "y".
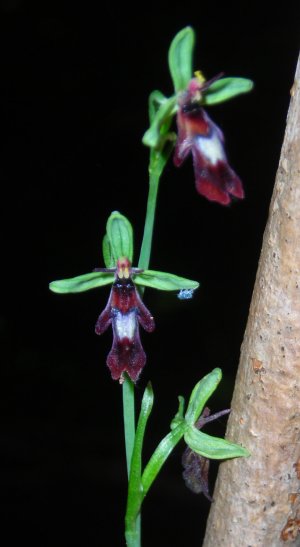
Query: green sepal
{"x": 82, "y": 283}
{"x": 181, "y": 58}
{"x": 164, "y": 281}
{"x": 119, "y": 237}
{"x": 213, "y": 448}
{"x": 225, "y": 89}
{"x": 200, "y": 394}
{"x": 106, "y": 251}
{"x": 178, "y": 418}
{"x": 155, "y": 136}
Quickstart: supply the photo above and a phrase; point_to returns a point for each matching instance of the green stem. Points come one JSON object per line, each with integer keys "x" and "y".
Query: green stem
{"x": 128, "y": 386}
{"x": 133, "y": 538}
{"x": 149, "y": 222}
{"x": 157, "y": 163}
{"x": 129, "y": 419}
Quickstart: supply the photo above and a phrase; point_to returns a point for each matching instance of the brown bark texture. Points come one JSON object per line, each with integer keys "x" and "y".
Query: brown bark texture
{"x": 257, "y": 499}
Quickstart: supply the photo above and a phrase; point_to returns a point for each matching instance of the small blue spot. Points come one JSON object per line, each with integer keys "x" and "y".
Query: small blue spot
{"x": 185, "y": 294}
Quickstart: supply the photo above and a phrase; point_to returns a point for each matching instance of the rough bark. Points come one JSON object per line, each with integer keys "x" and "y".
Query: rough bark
{"x": 257, "y": 499}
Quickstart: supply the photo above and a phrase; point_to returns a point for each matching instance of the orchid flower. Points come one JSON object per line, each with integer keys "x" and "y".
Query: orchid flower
{"x": 125, "y": 310}
{"x": 197, "y": 133}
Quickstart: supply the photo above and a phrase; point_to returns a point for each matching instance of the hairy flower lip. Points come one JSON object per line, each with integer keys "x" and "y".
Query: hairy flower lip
{"x": 125, "y": 311}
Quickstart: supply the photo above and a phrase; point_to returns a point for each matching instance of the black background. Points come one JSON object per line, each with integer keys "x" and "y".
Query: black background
{"x": 74, "y": 84}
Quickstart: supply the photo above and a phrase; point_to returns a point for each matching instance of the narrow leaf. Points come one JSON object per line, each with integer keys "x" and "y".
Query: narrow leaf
{"x": 135, "y": 495}
{"x": 146, "y": 407}
{"x": 164, "y": 281}
{"x": 225, "y": 89}
{"x": 179, "y": 415}
{"x": 181, "y": 58}
{"x": 160, "y": 455}
{"x": 214, "y": 448}
{"x": 201, "y": 393}
{"x": 120, "y": 236}
{"x": 82, "y": 283}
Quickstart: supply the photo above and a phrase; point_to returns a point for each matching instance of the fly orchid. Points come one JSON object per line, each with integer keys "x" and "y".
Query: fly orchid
{"x": 125, "y": 310}
{"x": 197, "y": 133}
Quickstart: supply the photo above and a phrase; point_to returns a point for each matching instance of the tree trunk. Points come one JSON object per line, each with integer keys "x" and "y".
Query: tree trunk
{"x": 257, "y": 499}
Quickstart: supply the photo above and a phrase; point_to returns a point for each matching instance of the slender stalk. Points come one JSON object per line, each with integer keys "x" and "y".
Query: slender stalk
{"x": 129, "y": 419}
{"x": 133, "y": 539}
{"x": 149, "y": 222}
{"x": 133, "y": 536}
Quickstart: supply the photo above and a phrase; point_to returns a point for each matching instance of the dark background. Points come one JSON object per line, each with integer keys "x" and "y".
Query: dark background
{"x": 74, "y": 84}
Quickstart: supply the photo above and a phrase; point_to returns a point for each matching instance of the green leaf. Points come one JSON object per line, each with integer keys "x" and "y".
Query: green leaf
{"x": 120, "y": 236}
{"x": 225, "y": 89}
{"x": 164, "y": 281}
{"x": 82, "y": 283}
{"x": 106, "y": 251}
{"x": 181, "y": 58}
{"x": 201, "y": 393}
{"x": 160, "y": 455}
{"x": 178, "y": 418}
{"x": 136, "y": 462}
{"x": 212, "y": 447}
{"x": 135, "y": 493}
{"x": 155, "y": 136}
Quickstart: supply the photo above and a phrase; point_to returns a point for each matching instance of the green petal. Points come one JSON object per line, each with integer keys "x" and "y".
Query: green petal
{"x": 119, "y": 237}
{"x": 181, "y": 58}
{"x": 82, "y": 283}
{"x": 213, "y": 447}
{"x": 200, "y": 395}
{"x": 155, "y": 136}
{"x": 225, "y": 89}
{"x": 164, "y": 281}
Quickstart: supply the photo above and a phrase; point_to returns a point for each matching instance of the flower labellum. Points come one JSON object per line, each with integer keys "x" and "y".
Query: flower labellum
{"x": 125, "y": 311}
{"x": 198, "y": 134}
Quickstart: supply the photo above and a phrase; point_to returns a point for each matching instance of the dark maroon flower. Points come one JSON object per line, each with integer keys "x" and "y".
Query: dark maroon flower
{"x": 198, "y": 134}
{"x": 195, "y": 472}
{"x": 125, "y": 311}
